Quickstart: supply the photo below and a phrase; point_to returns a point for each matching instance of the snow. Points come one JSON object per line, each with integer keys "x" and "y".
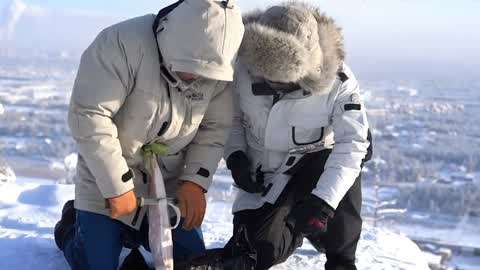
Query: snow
{"x": 466, "y": 262}
{"x": 28, "y": 212}
{"x": 410, "y": 91}
{"x": 69, "y": 166}
{"x": 29, "y": 209}
{"x": 6, "y": 172}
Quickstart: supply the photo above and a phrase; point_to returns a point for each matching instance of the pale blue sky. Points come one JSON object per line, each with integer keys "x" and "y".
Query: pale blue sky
{"x": 431, "y": 9}
{"x": 432, "y": 20}
{"x": 409, "y": 33}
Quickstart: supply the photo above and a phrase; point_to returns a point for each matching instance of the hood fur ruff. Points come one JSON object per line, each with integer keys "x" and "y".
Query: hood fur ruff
{"x": 310, "y": 56}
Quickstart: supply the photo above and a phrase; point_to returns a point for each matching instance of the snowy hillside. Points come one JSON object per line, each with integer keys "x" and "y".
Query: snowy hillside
{"x": 29, "y": 209}
{"x": 426, "y": 176}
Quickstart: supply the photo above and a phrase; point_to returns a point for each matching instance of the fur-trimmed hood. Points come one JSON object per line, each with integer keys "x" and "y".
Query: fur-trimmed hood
{"x": 293, "y": 42}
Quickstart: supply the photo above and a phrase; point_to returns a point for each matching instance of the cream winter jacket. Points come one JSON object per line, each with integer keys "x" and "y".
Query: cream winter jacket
{"x": 120, "y": 102}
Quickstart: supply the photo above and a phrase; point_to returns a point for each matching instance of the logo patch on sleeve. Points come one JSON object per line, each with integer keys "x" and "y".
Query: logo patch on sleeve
{"x": 203, "y": 172}
{"x": 353, "y": 107}
{"x": 127, "y": 176}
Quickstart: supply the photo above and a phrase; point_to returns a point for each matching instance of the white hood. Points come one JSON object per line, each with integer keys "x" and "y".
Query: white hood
{"x": 202, "y": 37}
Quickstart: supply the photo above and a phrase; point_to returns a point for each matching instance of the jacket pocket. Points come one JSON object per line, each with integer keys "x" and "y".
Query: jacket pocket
{"x": 305, "y": 129}
{"x": 305, "y": 136}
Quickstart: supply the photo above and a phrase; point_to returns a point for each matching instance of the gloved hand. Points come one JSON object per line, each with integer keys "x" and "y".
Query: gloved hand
{"x": 122, "y": 205}
{"x": 192, "y": 204}
{"x": 239, "y": 165}
{"x": 311, "y": 216}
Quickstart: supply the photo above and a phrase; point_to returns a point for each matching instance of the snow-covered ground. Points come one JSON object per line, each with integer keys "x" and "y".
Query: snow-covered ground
{"x": 29, "y": 208}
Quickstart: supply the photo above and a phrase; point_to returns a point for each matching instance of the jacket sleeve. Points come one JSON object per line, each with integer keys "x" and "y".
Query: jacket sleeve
{"x": 206, "y": 149}
{"x": 350, "y": 127}
{"x": 236, "y": 140}
{"x": 99, "y": 91}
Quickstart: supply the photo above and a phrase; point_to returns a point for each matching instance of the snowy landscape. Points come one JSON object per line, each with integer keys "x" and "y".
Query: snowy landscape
{"x": 29, "y": 208}
{"x": 421, "y": 190}
{"x": 414, "y": 187}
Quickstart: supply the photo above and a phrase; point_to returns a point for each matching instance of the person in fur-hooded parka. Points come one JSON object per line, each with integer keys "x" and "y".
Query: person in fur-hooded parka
{"x": 299, "y": 139}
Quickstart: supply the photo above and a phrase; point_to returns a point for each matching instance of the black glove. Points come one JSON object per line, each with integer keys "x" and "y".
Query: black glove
{"x": 239, "y": 165}
{"x": 310, "y": 216}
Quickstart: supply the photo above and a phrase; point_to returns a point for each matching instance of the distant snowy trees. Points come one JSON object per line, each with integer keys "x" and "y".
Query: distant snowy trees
{"x": 426, "y": 147}
{"x": 70, "y": 167}
{"x": 445, "y": 199}
{"x": 453, "y": 194}
{"x": 6, "y": 173}
{"x": 383, "y": 203}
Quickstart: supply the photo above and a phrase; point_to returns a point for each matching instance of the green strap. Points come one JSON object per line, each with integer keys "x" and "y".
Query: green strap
{"x": 149, "y": 151}
{"x": 152, "y": 149}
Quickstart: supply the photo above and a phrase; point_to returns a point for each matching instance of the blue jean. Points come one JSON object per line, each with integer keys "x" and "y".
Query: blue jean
{"x": 95, "y": 242}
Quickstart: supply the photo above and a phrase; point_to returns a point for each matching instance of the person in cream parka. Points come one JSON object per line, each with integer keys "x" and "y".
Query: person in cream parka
{"x": 137, "y": 86}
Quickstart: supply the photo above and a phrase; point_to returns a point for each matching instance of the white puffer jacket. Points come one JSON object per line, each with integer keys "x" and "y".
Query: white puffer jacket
{"x": 327, "y": 112}
{"x": 335, "y": 119}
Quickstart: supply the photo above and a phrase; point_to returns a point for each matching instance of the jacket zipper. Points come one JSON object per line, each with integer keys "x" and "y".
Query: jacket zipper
{"x": 266, "y": 154}
{"x": 153, "y": 133}
{"x": 225, "y": 28}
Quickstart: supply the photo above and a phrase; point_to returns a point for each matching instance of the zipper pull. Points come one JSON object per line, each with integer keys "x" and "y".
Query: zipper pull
{"x": 227, "y": 4}
{"x": 276, "y": 98}
{"x": 188, "y": 113}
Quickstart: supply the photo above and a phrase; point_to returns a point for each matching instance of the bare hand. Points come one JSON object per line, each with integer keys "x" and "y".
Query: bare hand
{"x": 122, "y": 205}
{"x": 192, "y": 204}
